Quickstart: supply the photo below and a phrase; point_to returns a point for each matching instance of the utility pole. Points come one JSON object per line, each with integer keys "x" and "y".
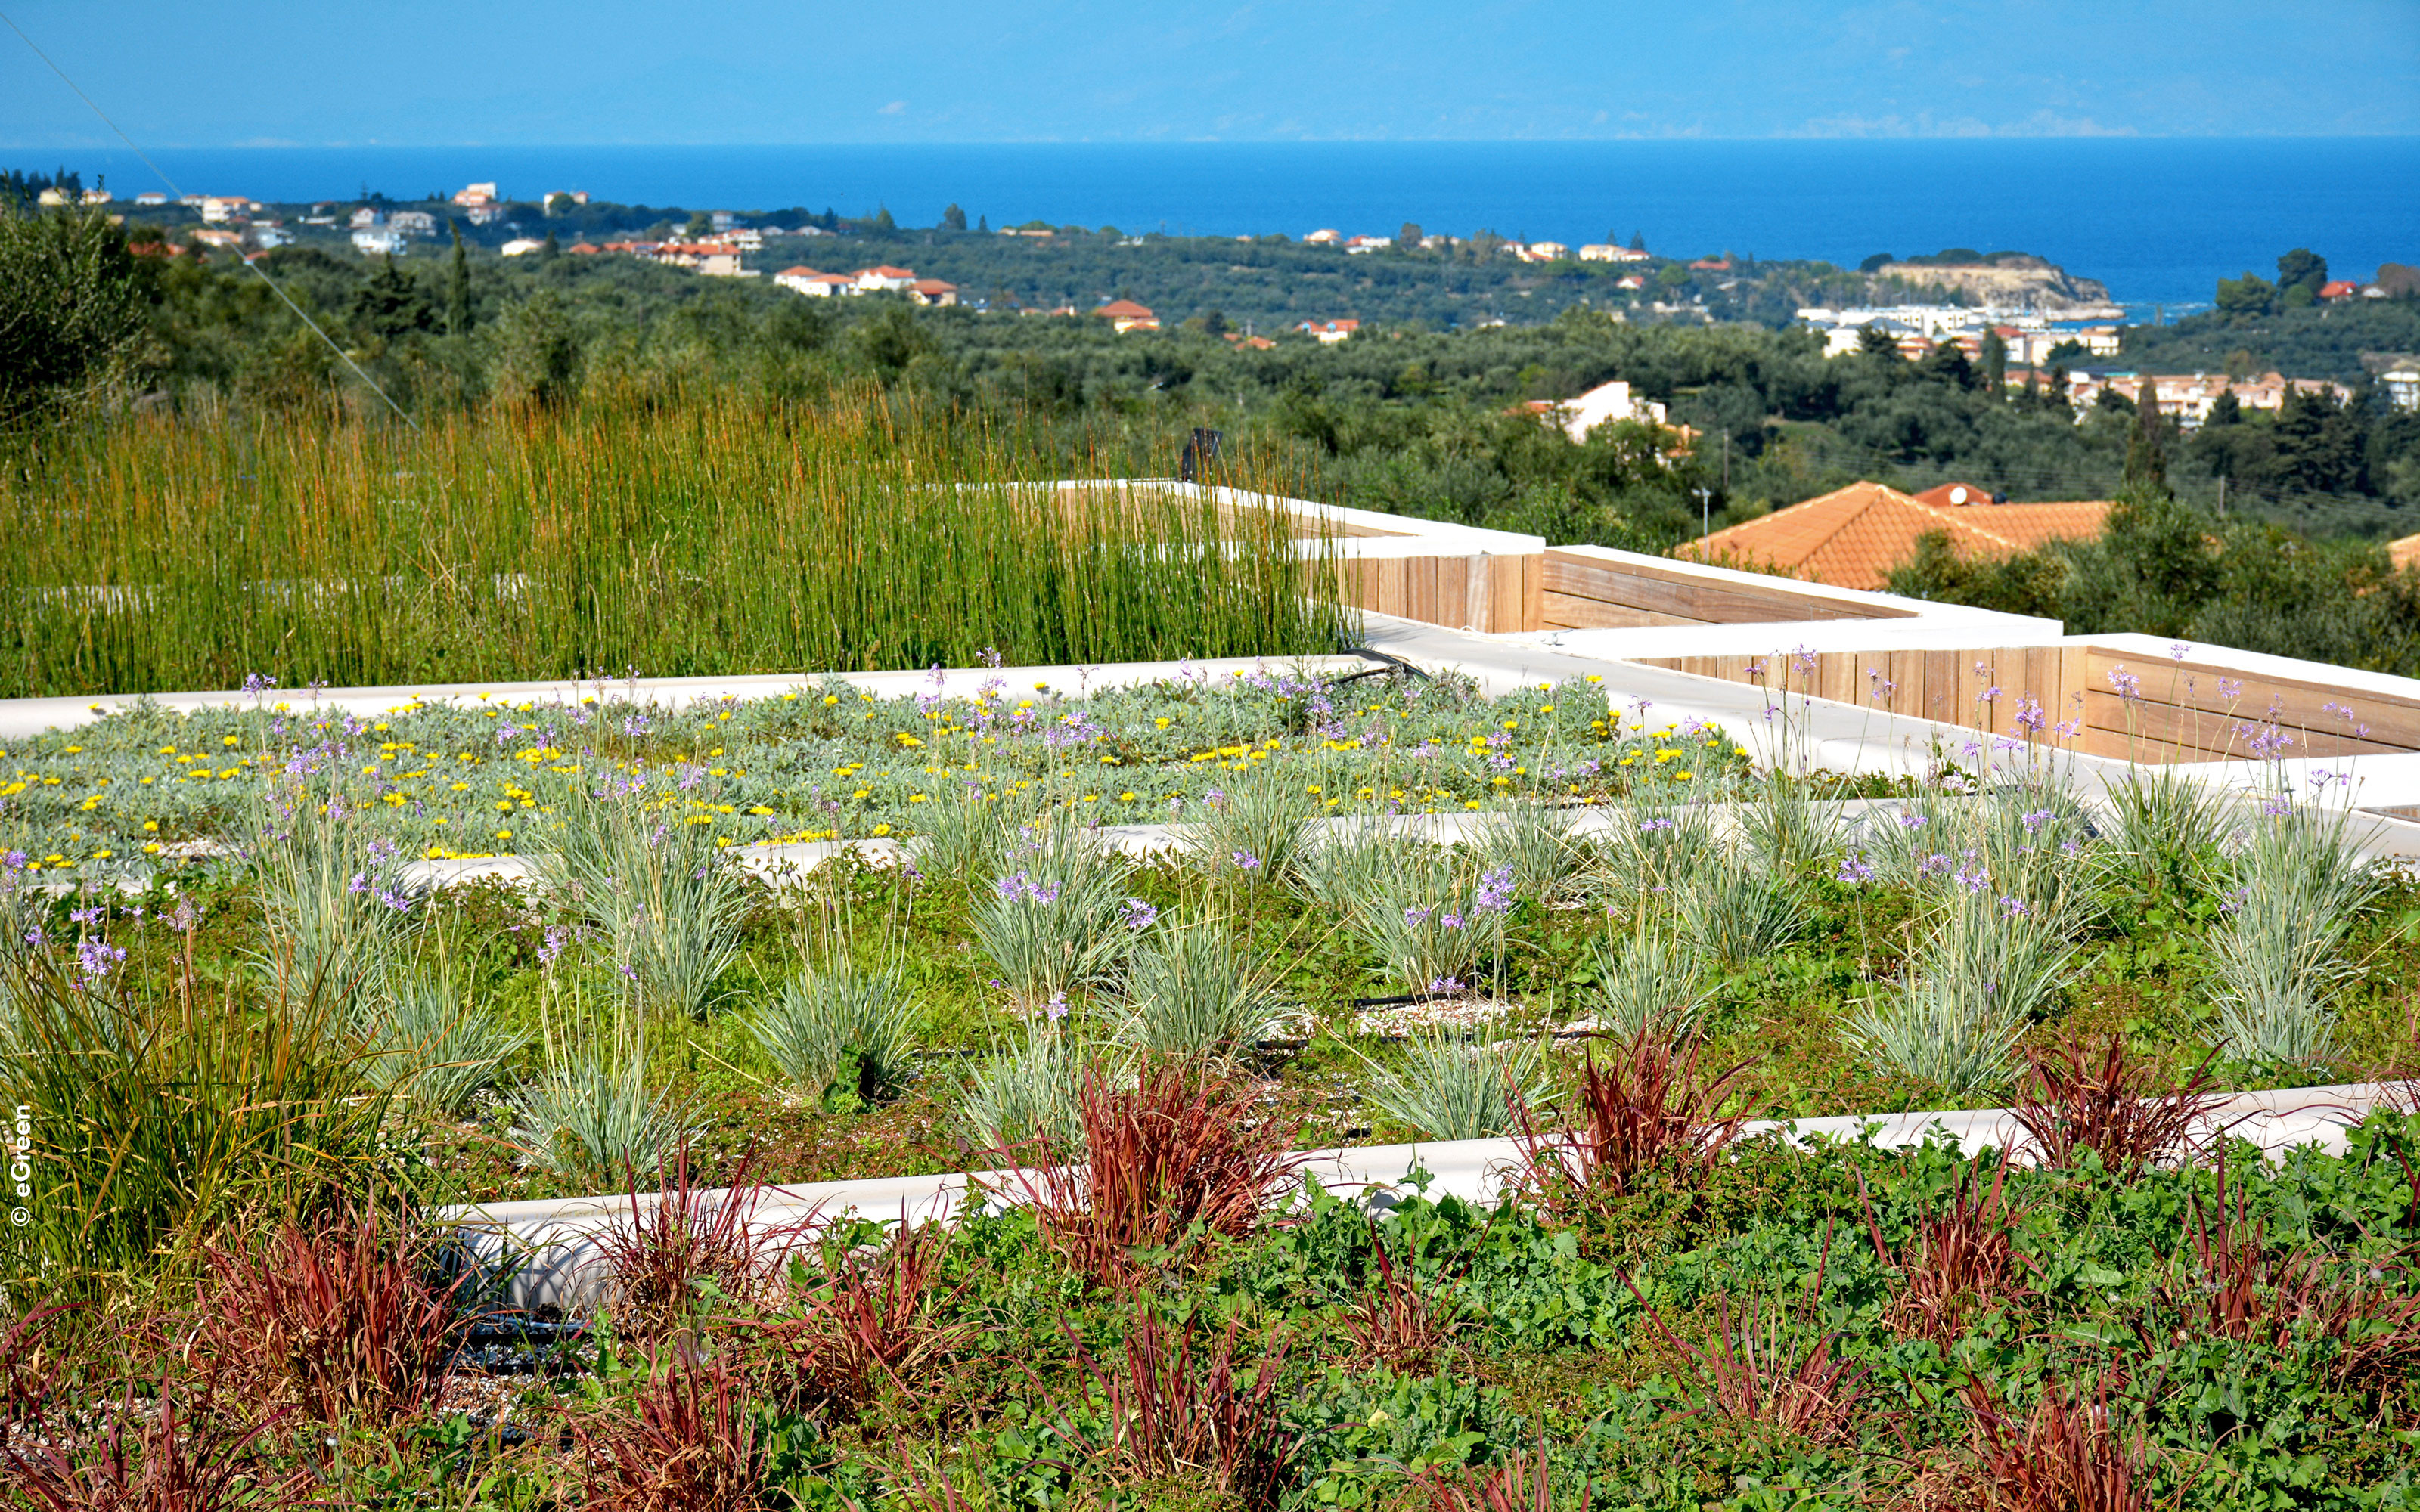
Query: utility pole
{"x": 2222, "y": 493}
{"x": 1727, "y": 462}
{"x": 1705, "y": 517}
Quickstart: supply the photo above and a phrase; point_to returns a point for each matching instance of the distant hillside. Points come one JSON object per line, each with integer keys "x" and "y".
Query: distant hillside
{"x": 2320, "y": 341}
{"x": 2006, "y": 278}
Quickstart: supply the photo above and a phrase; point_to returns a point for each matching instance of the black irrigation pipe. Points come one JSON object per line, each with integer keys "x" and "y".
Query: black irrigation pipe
{"x": 1395, "y": 666}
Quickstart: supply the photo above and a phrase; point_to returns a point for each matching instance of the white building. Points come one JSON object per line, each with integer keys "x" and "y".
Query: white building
{"x": 268, "y": 234}
{"x": 875, "y": 280}
{"x": 1605, "y": 252}
{"x": 380, "y": 241}
{"x": 522, "y": 247}
{"x": 366, "y": 219}
{"x": 1362, "y": 245}
{"x": 1326, "y": 237}
{"x": 1602, "y": 405}
{"x": 413, "y": 222}
{"x": 217, "y": 210}
{"x": 1544, "y": 252}
{"x": 474, "y": 195}
{"x": 151, "y": 196}
{"x": 816, "y": 286}
{"x": 2402, "y": 387}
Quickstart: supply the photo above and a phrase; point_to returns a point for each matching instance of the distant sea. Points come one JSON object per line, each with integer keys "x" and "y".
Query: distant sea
{"x": 2158, "y": 220}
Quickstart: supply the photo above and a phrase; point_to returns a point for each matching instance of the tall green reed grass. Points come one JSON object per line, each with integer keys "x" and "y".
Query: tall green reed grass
{"x": 708, "y": 534}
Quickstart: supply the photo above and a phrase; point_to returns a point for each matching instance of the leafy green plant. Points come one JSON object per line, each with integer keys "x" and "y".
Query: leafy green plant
{"x": 1434, "y": 921}
{"x": 429, "y": 1035}
{"x": 1257, "y": 826}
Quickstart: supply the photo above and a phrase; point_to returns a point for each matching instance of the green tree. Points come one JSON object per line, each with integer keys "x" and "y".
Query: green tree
{"x": 1996, "y": 364}
{"x": 882, "y": 221}
{"x": 1408, "y": 237}
{"x": 2147, "y": 449}
{"x": 457, "y": 287}
{"x": 2301, "y": 274}
{"x": 70, "y": 312}
{"x": 2321, "y": 441}
{"x": 2247, "y": 295}
{"x": 699, "y": 225}
{"x": 953, "y": 218}
{"x": 534, "y": 355}
{"x": 391, "y": 304}
{"x": 552, "y": 250}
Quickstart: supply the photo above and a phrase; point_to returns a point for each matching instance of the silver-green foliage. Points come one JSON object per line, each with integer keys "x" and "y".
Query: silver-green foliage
{"x": 1258, "y": 824}
{"x": 430, "y": 1037}
{"x": 2277, "y": 950}
{"x": 1451, "y": 1087}
{"x": 1737, "y": 906}
{"x": 331, "y": 895}
{"x": 1535, "y": 841}
{"x": 967, "y": 828}
{"x": 1986, "y": 967}
{"x": 1058, "y": 917}
{"x": 1196, "y": 992}
{"x": 657, "y": 888}
{"x": 840, "y": 1029}
{"x": 594, "y": 1117}
{"x": 1028, "y": 1094}
{"x": 1434, "y": 917}
{"x": 1648, "y": 979}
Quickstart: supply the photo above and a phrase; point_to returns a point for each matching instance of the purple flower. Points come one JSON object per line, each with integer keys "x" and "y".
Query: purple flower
{"x": 1912, "y": 821}
{"x": 2030, "y": 718}
{"x": 1494, "y": 895}
{"x": 2231, "y": 688}
{"x": 1854, "y": 869}
{"x": 2014, "y": 907}
{"x": 2178, "y": 650}
{"x": 1413, "y": 917}
{"x": 1023, "y": 889}
{"x": 1445, "y": 986}
{"x": 1141, "y": 916}
{"x": 1451, "y": 920}
{"x": 2129, "y": 687}
{"x": 1246, "y": 861}
{"x": 2035, "y": 820}
{"x": 98, "y": 958}
{"x": 1057, "y": 1007}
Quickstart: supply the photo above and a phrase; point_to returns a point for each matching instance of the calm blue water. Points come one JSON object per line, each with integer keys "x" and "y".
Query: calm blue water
{"x": 2158, "y": 221}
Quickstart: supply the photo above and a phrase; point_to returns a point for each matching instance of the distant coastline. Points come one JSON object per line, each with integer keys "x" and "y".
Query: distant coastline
{"x": 2158, "y": 221}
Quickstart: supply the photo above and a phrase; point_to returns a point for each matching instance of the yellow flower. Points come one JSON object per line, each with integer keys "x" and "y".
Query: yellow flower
{"x": 151, "y": 826}
{"x": 881, "y": 829}
{"x": 503, "y": 834}
{"x": 862, "y": 792}
{"x": 1595, "y": 677}
{"x": 1161, "y": 722}
{"x": 223, "y": 740}
{"x": 152, "y": 848}
{"x": 831, "y": 698}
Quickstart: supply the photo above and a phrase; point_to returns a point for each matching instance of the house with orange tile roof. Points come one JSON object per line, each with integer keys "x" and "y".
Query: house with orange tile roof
{"x": 816, "y": 284}
{"x": 875, "y": 280}
{"x": 933, "y": 291}
{"x": 1853, "y": 536}
{"x": 1125, "y": 314}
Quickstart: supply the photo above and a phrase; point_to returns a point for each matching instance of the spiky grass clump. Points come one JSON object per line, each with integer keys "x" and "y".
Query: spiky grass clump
{"x": 2277, "y": 951}
{"x": 1738, "y": 908}
{"x": 1987, "y": 967}
{"x": 1196, "y": 993}
{"x": 842, "y": 1034}
{"x": 657, "y": 886}
{"x": 1024, "y": 1099}
{"x": 1434, "y": 919}
{"x": 1650, "y": 979}
{"x": 1256, "y": 828}
{"x": 1454, "y": 1086}
{"x": 431, "y": 1037}
{"x": 1058, "y": 919}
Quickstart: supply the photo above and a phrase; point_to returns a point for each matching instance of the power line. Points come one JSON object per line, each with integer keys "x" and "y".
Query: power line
{"x": 341, "y": 354}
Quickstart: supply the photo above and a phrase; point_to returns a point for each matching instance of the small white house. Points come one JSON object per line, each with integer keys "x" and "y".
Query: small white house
{"x": 522, "y": 247}
{"x": 813, "y": 285}
{"x": 378, "y": 241}
{"x": 1604, "y": 404}
{"x": 875, "y": 280}
{"x": 413, "y": 222}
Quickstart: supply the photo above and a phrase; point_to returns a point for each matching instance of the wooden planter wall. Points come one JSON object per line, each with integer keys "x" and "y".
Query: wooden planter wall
{"x": 2173, "y": 710}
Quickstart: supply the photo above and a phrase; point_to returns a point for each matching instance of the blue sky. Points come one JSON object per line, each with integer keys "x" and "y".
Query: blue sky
{"x": 429, "y": 72}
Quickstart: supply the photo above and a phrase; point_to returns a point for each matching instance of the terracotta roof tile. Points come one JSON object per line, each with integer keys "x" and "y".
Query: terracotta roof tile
{"x": 1853, "y": 536}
